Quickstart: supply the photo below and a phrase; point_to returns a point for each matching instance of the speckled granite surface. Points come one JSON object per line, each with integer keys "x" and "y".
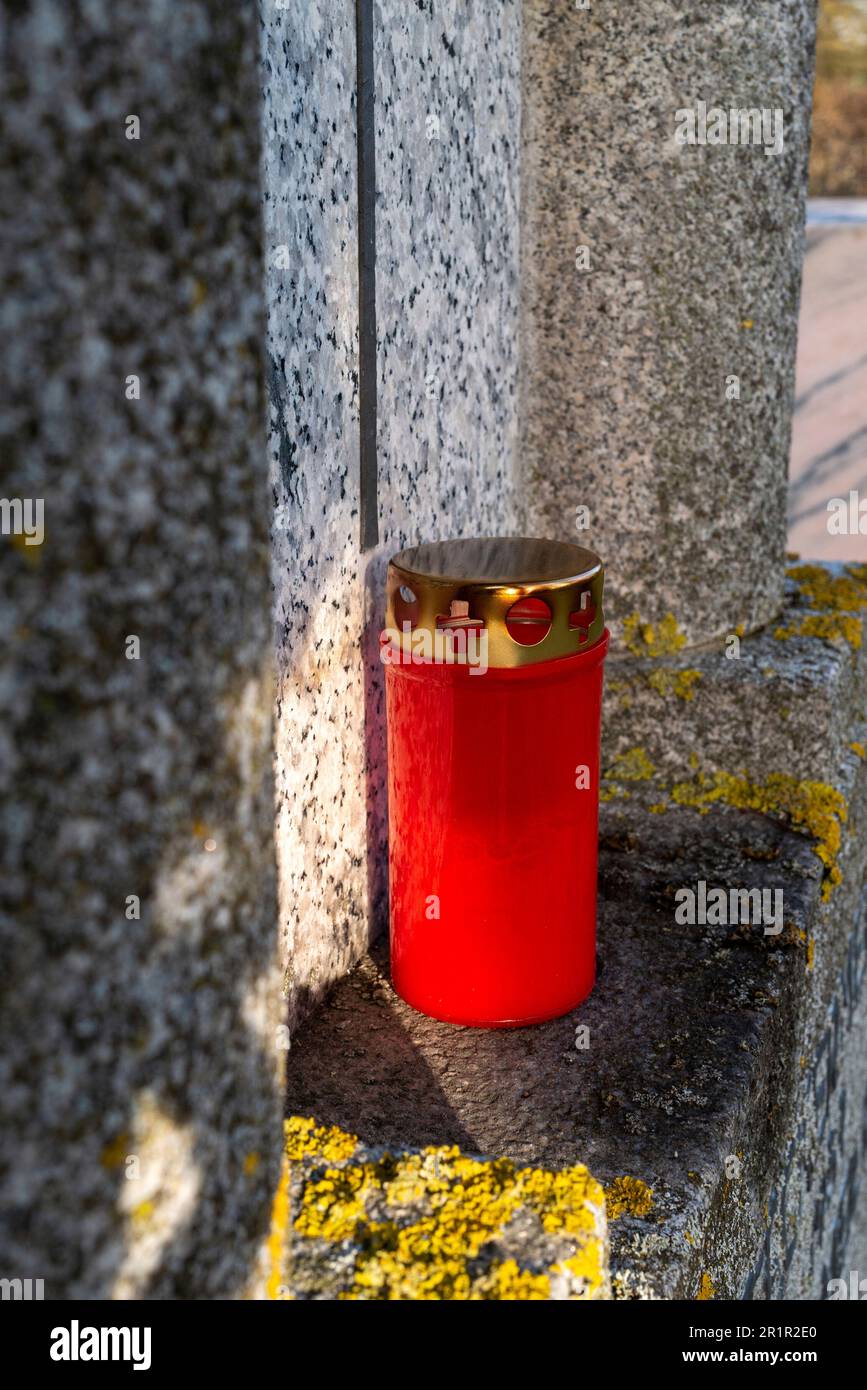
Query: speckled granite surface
{"x": 139, "y": 1081}
{"x": 447, "y": 311}
{"x": 448, "y": 145}
{"x": 695, "y": 258}
{"x": 311, "y": 258}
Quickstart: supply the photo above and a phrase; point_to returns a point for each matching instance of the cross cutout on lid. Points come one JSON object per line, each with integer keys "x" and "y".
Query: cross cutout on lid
{"x": 583, "y": 618}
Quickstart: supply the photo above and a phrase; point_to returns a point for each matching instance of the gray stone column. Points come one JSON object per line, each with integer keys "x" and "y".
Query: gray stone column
{"x": 689, "y": 278}
{"x": 139, "y": 1085}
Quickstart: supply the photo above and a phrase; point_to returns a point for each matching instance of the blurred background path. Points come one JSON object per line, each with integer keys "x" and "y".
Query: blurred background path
{"x": 829, "y": 438}
{"x": 829, "y": 441}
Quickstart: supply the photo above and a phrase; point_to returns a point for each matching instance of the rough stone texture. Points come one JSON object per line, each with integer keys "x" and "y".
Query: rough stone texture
{"x": 447, "y": 318}
{"x": 695, "y": 269}
{"x": 437, "y": 1224}
{"x": 777, "y": 706}
{"x": 725, "y": 1067}
{"x": 148, "y": 1039}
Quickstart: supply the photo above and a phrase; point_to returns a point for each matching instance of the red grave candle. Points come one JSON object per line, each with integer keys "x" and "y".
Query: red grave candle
{"x": 494, "y": 652}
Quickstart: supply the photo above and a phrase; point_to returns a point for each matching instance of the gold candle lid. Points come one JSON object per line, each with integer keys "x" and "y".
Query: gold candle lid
{"x": 536, "y": 600}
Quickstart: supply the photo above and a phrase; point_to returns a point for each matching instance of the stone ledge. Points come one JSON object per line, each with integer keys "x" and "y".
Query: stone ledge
{"x": 785, "y": 704}
{"x": 725, "y": 1074}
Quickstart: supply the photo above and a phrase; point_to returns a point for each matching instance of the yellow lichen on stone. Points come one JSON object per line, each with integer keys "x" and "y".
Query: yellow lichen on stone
{"x": 334, "y": 1205}
{"x": 304, "y": 1138}
{"x": 859, "y": 749}
{"x": 812, "y": 806}
{"x": 678, "y": 683}
{"x": 838, "y": 597}
{"x": 632, "y": 766}
{"x": 826, "y": 626}
{"x": 508, "y": 1282}
{"x": 467, "y": 1205}
{"x": 706, "y": 1290}
{"x": 845, "y": 593}
{"x": 653, "y": 639}
{"x": 115, "y": 1153}
{"x": 628, "y": 1197}
{"x": 414, "y": 1223}
{"x": 278, "y": 1233}
{"x": 560, "y": 1200}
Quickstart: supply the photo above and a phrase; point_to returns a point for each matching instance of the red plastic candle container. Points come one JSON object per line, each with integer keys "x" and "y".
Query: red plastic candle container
{"x": 493, "y": 652}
